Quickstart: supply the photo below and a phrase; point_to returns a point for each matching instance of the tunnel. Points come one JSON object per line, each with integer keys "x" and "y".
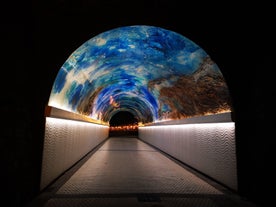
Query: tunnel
{"x": 43, "y": 146}
{"x": 147, "y": 82}
{"x": 156, "y": 74}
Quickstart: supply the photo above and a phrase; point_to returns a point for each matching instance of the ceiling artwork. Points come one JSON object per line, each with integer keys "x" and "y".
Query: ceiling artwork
{"x": 151, "y": 72}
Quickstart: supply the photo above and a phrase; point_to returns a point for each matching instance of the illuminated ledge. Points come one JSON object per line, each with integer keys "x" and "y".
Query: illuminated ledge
{"x": 214, "y": 118}
{"x": 59, "y": 113}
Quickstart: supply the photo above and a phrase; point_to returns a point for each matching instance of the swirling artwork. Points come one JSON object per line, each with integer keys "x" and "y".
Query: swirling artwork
{"x": 151, "y": 72}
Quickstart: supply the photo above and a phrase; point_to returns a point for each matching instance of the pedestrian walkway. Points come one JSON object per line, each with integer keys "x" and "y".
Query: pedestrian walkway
{"x": 125, "y": 171}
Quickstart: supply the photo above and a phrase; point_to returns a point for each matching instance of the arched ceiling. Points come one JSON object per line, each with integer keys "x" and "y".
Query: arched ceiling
{"x": 151, "y": 72}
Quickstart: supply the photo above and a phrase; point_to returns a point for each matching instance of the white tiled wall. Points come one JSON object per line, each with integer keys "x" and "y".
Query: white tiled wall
{"x": 207, "y": 147}
{"x": 65, "y": 143}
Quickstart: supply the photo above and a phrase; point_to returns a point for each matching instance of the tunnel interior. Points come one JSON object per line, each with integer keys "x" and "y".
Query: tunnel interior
{"x": 129, "y": 81}
{"x": 151, "y": 72}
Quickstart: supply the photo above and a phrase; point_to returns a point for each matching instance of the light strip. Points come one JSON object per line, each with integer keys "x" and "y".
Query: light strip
{"x": 57, "y": 121}
{"x": 223, "y": 124}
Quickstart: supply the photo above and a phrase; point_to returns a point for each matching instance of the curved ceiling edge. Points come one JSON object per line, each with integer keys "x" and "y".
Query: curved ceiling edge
{"x": 155, "y": 73}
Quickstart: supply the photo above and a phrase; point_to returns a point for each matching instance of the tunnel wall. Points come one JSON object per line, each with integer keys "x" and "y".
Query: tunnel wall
{"x": 205, "y": 143}
{"x": 66, "y": 142}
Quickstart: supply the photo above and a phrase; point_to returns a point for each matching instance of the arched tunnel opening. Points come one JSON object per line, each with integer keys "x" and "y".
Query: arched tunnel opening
{"x": 156, "y": 74}
{"x": 37, "y": 147}
{"x": 123, "y": 123}
{"x": 145, "y": 81}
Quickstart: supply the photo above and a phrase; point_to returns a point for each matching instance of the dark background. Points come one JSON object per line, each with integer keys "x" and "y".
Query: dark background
{"x": 37, "y": 37}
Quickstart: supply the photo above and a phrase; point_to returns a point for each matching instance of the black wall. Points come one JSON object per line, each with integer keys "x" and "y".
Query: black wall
{"x": 37, "y": 38}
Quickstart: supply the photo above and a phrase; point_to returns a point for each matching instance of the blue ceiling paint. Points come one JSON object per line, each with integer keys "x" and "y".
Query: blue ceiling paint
{"x": 154, "y": 73}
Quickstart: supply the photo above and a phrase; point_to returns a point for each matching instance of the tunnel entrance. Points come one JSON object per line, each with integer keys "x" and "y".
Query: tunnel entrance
{"x": 123, "y": 123}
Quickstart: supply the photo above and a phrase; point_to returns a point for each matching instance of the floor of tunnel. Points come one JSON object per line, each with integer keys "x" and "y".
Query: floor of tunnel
{"x": 125, "y": 171}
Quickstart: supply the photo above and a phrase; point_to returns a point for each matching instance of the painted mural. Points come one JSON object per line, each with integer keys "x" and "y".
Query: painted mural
{"x": 154, "y": 73}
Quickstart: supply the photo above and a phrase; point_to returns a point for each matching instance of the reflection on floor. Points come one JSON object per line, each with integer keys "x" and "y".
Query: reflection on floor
{"x": 124, "y": 171}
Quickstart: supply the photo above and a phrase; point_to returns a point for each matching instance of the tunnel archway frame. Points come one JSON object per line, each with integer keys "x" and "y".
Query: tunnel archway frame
{"x": 188, "y": 82}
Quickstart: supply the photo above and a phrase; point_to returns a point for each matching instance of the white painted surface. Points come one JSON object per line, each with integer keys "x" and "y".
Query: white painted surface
{"x": 65, "y": 143}
{"x": 208, "y": 147}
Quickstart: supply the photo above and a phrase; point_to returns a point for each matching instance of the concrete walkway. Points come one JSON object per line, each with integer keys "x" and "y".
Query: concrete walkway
{"x": 124, "y": 171}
